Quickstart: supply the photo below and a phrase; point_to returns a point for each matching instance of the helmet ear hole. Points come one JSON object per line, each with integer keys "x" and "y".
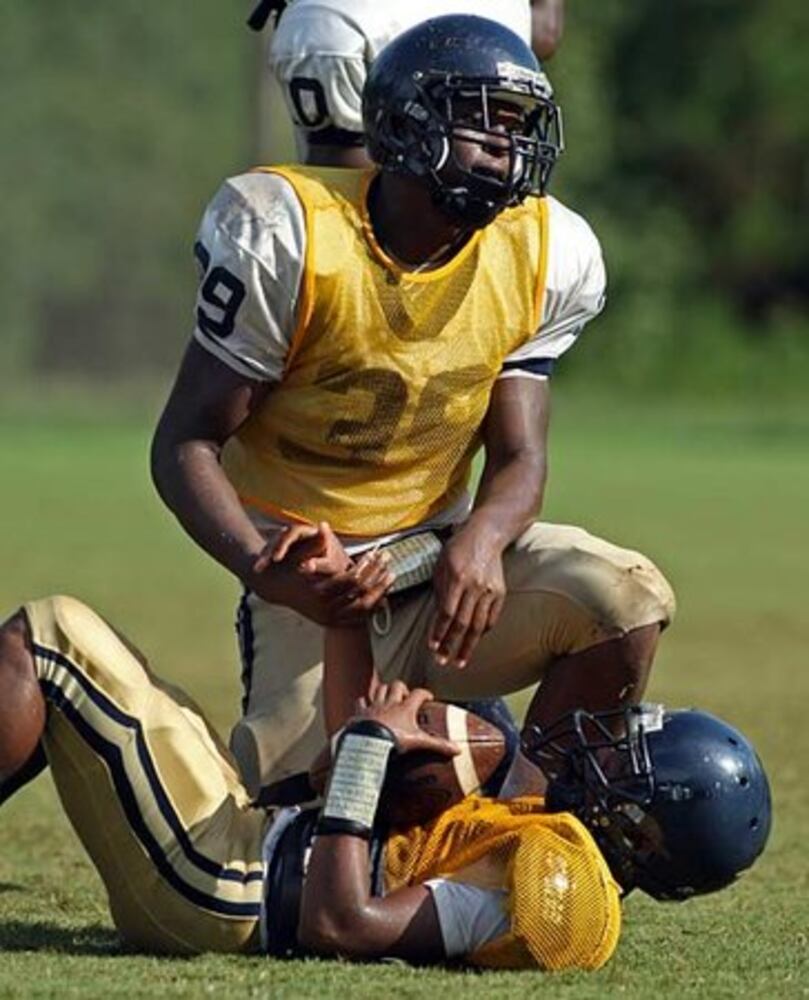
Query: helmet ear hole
{"x": 425, "y": 152}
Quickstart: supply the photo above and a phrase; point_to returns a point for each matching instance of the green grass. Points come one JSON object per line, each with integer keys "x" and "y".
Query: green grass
{"x": 719, "y": 499}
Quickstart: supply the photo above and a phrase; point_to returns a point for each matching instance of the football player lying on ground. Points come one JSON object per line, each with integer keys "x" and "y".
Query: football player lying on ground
{"x": 676, "y": 807}
{"x": 321, "y": 50}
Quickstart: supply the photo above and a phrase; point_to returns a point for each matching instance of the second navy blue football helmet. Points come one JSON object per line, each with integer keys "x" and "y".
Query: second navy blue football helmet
{"x": 679, "y": 803}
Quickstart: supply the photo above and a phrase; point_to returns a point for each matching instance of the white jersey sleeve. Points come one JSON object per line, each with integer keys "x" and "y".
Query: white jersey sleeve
{"x": 575, "y": 292}
{"x": 321, "y": 51}
{"x": 468, "y": 916}
{"x": 319, "y": 56}
{"x": 251, "y": 249}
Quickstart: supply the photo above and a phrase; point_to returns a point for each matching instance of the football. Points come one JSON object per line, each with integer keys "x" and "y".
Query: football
{"x": 421, "y": 785}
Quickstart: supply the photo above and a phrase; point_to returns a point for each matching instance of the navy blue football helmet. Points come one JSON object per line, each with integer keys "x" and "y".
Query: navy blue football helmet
{"x": 445, "y": 79}
{"x": 678, "y": 804}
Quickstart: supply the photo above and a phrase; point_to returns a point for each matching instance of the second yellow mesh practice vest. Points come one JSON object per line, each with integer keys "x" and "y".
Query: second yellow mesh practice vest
{"x": 563, "y": 904}
{"x": 377, "y": 418}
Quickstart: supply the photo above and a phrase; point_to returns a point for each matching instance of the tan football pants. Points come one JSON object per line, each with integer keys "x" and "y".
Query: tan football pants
{"x": 567, "y": 591}
{"x": 152, "y": 793}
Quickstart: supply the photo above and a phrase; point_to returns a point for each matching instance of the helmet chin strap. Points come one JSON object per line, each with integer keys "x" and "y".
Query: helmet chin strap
{"x": 477, "y": 200}
{"x": 463, "y": 206}
{"x": 472, "y": 202}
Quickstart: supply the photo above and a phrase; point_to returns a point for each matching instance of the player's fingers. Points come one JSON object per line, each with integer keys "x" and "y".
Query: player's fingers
{"x": 369, "y": 600}
{"x": 379, "y": 695}
{"x": 478, "y": 625}
{"x": 418, "y": 697}
{"x": 371, "y": 572}
{"x": 369, "y": 576}
{"x": 458, "y": 628}
{"x": 397, "y": 692}
{"x": 324, "y": 529}
{"x": 367, "y": 561}
{"x": 283, "y": 543}
{"x": 349, "y": 602}
{"x": 264, "y": 558}
{"x": 291, "y": 536}
{"x": 437, "y": 744}
{"x": 373, "y": 685}
{"x": 495, "y": 611}
{"x": 318, "y": 565}
{"x": 444, "y": 617}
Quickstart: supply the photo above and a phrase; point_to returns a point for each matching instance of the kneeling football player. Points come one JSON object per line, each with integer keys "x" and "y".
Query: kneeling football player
{"x": 677, "y": 805}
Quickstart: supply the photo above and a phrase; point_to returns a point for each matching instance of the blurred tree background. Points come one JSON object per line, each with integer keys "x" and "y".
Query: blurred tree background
{"x": 687, "y": 132}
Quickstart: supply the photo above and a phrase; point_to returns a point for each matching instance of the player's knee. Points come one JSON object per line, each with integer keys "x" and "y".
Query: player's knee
{"x": 650, "y": 597}
{"x": 617, "y": 589}
{"x": 628, "y": 590}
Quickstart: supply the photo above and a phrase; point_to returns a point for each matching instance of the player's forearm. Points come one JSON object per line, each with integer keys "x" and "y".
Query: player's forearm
{"x": 190, "y": 480}
{"x": 515, "y": 436}
{"x": 348, "y": 673}
{"x": 510, "y": 496}
{"x": 547, "y": 24}
{"x": 339, "y": 916}
{"x": 337, "y": 906}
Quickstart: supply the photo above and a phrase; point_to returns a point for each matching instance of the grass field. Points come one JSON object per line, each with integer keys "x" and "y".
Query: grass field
{"x": 719, "y": 498}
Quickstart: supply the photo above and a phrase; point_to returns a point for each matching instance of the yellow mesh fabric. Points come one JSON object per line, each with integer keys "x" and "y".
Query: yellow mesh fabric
{"x": 377, "y": 419}
{"x": 563, "y": 901}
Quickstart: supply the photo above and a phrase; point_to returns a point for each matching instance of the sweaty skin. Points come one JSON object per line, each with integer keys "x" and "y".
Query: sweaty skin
{"x": 348, "y": 666}
{"x": 468, "y": 582}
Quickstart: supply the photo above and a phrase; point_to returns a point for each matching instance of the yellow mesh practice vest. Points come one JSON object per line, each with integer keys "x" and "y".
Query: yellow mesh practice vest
{"x": 563, "y": 903}
{"x": 377, "y": 418}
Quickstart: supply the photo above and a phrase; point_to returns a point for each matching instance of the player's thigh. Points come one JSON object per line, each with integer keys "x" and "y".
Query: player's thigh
{"x": 567, "y": 590}
{"x": 149, "y": 788}
{"x": 617, "y": 589}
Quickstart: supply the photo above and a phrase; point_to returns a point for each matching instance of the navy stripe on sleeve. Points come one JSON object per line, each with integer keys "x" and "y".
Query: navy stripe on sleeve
{"x": 531, "y": 366}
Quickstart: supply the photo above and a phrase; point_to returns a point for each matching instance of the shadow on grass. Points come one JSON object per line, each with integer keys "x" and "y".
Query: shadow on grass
{"x": 15, "y": 935}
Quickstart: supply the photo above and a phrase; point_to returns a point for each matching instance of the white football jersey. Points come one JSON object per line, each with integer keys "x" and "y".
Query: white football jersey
{"x": 321, "y": 51}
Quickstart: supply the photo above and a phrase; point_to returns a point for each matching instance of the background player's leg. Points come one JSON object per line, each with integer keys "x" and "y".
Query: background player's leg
{"x": 22, "y": 709}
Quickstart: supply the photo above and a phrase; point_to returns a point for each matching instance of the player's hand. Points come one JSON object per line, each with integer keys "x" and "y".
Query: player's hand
{"x": 397, "y": 708}
{"x": 307, "y": 568}
{"x": 470, "y": 589}
{"x": 313, "y": 547}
